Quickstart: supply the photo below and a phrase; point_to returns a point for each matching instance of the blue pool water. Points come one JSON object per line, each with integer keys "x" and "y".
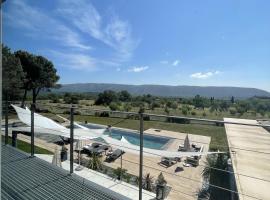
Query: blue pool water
{"x": 149, "y": 141}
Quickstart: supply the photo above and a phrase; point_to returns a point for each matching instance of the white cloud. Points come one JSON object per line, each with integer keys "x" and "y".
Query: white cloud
{"x": 79, "y": 61}
{"x": 201, "y": 75}
{"x": 118, "y": 69}
{"x": 176, "y": 62}
{"x": 115, "y": 33}
{"x": 72, "y": 26}
{"x": 42, "y": 26}
{"x": 138, "y": 68}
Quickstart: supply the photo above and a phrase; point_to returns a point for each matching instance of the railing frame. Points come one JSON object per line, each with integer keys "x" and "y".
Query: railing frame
{"x": 33, "y": 106}
{"x": 71, "y": 138}
{"x": 6, "y": 123}
{"x": 141, "y": 156}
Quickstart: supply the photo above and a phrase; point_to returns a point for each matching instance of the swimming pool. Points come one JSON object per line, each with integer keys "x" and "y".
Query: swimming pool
{"x": 149, "y": 141}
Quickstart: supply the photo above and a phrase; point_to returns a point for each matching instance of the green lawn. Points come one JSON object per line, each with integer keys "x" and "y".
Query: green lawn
{"x": 26, "y": 147}
{"x": 217, "y": 134}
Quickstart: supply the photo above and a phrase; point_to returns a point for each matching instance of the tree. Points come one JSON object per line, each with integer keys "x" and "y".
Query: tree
{"x": 224, "y": 106}
{"x": 124, "y": 96}
{"x": 216, "y": 177}
{"x": 198, "y": 102}
{"x": 232, "y": 111}
{"x": 71, "y": 98}
{"x": 40, "y": 73}
{"x": 232, "y": 100}
{"x": 167, "y": 110}
{"x": 127, "y": 107}
{"x": 106, "y": 97}
{"x": 114, "y": 106}
{"x": 242, "y": 107}
{"x": 174, "y": 105}
{"x": 212, "y": 99}
{"x": 214, "y": 107}
{"x": 185, "y": 110}
{"x": 54, "y": 98}
{"x": 154, "y": 105}
{"x": 13, "y": 74}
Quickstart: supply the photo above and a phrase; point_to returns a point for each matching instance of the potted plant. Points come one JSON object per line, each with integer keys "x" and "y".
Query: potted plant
{"x": 148, "y": 182}
{"x": 119, "y": 173}
{"x": 63, "y": 153}
{"x": 160, "y": 188}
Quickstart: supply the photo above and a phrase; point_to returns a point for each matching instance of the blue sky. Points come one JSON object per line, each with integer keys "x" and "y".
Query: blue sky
{"x": 176, "y": 42}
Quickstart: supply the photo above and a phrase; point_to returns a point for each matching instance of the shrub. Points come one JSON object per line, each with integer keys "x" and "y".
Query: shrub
{"x": 232, "y": 111}
{"x": 104, "y": 114}
{"x": 95, "y": 163}
{"x": 67, "y": 112}
{"x": 146, "y": 118}
{"x": 120, "y": 173}
{"x": 77, "y": 112}
{"x": 177, "y": 120}
{"x": 127, "y": 107}
{"x": 184, "y": 111}
{"x": 113, "y": 106}
{"x": 193, "y": 113}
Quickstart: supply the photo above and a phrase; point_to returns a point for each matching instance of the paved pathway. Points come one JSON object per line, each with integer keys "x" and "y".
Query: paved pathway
{"x": 120, "y": 187}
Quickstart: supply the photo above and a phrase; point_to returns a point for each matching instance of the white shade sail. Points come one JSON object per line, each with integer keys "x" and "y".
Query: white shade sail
{"x": 45, "y": 125}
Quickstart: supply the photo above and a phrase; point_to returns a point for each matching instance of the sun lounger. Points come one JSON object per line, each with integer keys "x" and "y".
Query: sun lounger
{"x": 167, "y": 162}
{"x": 181, "y": 148}
{"x": 91, "y": 147}
{"x": 114, "y": 155}
{"x": 193, "y": 160}
{"x": 100, "y": 149}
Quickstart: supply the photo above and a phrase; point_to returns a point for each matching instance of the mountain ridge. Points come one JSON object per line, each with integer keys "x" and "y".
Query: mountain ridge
{"x": 166, "y": 90}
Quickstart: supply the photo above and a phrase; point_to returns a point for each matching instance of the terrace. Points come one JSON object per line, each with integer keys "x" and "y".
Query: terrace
{"x": 184, "y": 183}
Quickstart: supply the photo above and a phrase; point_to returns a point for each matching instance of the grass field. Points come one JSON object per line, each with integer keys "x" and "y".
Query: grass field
{"x": 26, "y": 147}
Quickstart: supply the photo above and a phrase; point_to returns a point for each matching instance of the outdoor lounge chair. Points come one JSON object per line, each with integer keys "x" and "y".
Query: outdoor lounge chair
{"x": 100, "y": 149}
{"x": 114, "y": 155}
{"x": 193, "y": 160}
{"x": 91, "y": 147}
{"x": 167, "y": 162}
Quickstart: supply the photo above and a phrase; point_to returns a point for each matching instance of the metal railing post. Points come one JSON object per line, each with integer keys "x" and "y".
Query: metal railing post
{"x": 14, "y": 139}
{"x": 32, "y": 130}
{"x": 6, "y": 123}
{"x": 121, "y": 166}
{"x": 141, "y": 156}
{"x": 71, "y": 138}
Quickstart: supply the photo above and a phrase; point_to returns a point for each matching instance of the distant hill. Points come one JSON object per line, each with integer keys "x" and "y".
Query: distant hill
{"x": 166, "y": 90}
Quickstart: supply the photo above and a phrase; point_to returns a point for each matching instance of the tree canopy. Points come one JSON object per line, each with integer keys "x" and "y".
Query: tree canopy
{"x": 40, "y": 73}
{"x": 13, "y": 74}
